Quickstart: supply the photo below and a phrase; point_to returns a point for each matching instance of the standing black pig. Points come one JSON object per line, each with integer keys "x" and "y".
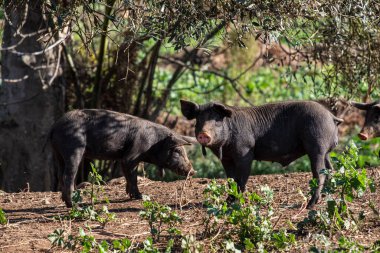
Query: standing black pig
{"x": 277, "y": 132}
{"x": 108, "y": 135}
{"x": 371, "y": 128}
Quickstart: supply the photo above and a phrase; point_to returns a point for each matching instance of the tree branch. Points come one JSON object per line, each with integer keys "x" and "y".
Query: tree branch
{"x": 97, "y": 86}
{"x": 152, "y": 69}
{"x": 180, "y": 69}
{"x": 233, "y": 81}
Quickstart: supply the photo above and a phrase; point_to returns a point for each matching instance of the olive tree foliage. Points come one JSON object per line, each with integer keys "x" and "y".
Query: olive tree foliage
{"x": 115, "y": 47}
{"x": 337, "y": 40}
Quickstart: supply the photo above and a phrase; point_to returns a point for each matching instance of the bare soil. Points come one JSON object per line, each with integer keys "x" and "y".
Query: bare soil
{"x": 32, "y": 215}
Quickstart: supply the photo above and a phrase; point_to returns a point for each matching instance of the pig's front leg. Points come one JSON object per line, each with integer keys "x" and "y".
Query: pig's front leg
{"x": 130, "y": 173}
{"x": 243, "y": 165}
{"x": 239, "y": 169}
{"x": 230, "y": 169}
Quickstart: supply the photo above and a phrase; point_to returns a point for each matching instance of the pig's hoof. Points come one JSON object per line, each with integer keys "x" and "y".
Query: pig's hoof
{"x": 135, "y": 195}
{"x": 69, "y": 204}
{"x": 311, "y": 204}
{"x": 315, "y": 199}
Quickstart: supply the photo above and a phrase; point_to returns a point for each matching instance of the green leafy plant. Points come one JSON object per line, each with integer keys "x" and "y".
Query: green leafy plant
{"x": 283, "y": 239}
{"x": 248, "y": 218}
{"x": 105, "y": 216}
{"x": 83, "y": 213}
{"x": 349, "y": 183}
{"x": 122, "y": 245}
{"x": 88, "y": 212}
{"x": 149, "y": 247}
{"x": 3, "y": 217}
{"x": 369, "y": 151}
{"x": 344, "y": 245}
{"x": 158, "y": 215}
{"x": 87, "y": 242}
{"x": 96, "y": 181}
{"x": 60, "y": 238}
{"x": 349, "y": 245}
{"x": 189, "y": 244}
{"x": 229, "y": 246}
{"x": 344, "y": 185}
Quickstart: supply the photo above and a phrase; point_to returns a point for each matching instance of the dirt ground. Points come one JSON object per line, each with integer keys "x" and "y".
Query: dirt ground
{"x": 32, "y": 214}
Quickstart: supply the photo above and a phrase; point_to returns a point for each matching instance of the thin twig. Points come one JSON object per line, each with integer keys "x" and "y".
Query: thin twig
{"x": 232, "y": 81}
{"x": 44, "y": 50}
{"x": 278, "y": 219}
{"x": 182, "y": 190}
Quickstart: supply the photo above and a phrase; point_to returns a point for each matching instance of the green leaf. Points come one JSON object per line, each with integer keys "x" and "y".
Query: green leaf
{"x": 331, "y": 206}
{"x": 81, "y": 232}
{"x": 248, "y": 244}
{"x": 117, "y": 245}
{"x": 169, "y": 246}
{"x": 372, "y": 186}
{"x": 3, "y": 217}
{"x": 103, "y": 247}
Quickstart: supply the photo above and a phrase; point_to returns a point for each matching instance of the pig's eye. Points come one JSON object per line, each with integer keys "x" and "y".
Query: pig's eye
{"x": 177, "y": 151}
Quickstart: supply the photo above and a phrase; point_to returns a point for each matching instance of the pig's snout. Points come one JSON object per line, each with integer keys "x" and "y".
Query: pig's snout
{"x": 189, "y": 171}
{"x": 185, "y": 170}
{"x": 204, "y": 138}
{"x": 363, "y": 136}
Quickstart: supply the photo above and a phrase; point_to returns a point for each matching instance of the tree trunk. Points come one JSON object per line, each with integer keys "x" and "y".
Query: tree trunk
{"x": 30, "y": 98}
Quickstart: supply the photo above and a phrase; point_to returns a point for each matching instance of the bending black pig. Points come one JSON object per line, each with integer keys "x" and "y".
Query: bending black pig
{"x": 278, "y": 132}
{"x": 108, "y": 135}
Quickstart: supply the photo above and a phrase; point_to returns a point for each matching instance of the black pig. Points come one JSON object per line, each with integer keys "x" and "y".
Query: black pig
{"x": 371, "y": 128}
{"x": 278, "y": 132}
{"x": 108, "y": 135}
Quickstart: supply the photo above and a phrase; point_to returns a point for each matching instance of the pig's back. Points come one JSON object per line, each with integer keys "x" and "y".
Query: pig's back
{"x": 280, "y": 130}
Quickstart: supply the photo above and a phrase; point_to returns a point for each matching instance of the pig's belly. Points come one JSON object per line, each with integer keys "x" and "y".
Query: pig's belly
{"x": 284, "y": 156}
{"x": 102, "y": 153}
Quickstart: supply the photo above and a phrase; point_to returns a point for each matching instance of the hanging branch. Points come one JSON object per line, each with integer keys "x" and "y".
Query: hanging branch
{"x": 152, "y": 70}
{"x": 234, "y": 81}
{"x": 97, "y": 86}
{"x": 180, "y": 69}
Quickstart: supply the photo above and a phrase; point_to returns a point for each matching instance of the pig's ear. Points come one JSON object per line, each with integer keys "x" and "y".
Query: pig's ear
{"x": 177, "y": 140}
{"x": 377, "y": 106}
{"x": 189, "y": 109}
{"x": 227, "y": 112}
{"x": 190, "y": 140}
{"x": 362, "y": 106}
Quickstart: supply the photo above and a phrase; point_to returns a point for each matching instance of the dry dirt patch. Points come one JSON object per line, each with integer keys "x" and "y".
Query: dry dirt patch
{"x": 32, "y": 214}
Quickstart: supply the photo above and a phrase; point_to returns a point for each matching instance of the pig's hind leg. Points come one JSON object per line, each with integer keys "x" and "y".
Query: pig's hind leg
{"x": 329, "y": 167}
{"x": 59, "y": 166}
{"x": 317, "y": 160}
{"x": 72, "y": 162}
